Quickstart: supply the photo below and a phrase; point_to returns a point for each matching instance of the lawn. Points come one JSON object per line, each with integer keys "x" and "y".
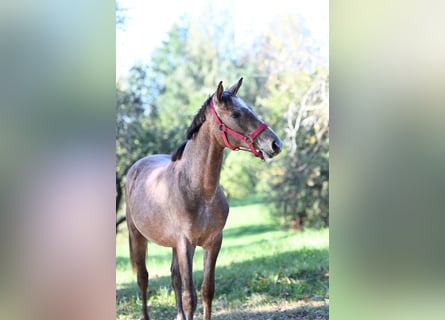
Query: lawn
{"x": 262, "y": 272}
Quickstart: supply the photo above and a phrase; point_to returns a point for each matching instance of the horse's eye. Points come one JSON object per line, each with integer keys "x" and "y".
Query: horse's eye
{"x": 235, "y": 114}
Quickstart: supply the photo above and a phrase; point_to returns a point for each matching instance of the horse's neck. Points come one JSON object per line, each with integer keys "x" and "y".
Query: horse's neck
{"x": 204, "y": 157}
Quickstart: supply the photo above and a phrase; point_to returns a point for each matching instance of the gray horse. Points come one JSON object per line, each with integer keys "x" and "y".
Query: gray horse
{"x": 176, "y": 200}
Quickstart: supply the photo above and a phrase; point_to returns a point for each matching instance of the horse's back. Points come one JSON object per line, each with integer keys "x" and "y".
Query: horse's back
{"x": 142, "y": 168}
{"x": 151, "y": 161}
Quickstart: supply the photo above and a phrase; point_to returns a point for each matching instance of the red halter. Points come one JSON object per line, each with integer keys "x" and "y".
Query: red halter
{"x": 248, "y": 139}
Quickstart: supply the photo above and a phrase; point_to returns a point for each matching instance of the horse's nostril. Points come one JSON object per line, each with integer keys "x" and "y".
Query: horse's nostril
{"x": 276, "y": 147}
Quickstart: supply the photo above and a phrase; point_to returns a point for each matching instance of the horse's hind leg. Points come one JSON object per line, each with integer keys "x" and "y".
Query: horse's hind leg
{"x": 138, "y": 251}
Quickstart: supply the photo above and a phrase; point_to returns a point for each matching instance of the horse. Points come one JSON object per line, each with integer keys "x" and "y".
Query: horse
{"x": 176, "y": 200}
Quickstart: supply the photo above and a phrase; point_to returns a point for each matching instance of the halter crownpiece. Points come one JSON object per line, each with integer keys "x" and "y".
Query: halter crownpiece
{"x": 248, "y": 139}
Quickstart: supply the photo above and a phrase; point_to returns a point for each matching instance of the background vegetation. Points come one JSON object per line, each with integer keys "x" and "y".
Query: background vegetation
{"x": 285, "y": 81}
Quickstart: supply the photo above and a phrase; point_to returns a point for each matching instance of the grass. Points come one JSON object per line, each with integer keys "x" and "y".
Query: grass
{"x": 262, "y": 272}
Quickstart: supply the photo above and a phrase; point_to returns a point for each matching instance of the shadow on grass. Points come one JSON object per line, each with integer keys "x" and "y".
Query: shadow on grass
{"x": 301, "y": 313}
{"x": 281, "y": 278}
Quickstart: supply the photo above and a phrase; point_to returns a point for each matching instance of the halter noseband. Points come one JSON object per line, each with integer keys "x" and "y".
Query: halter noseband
{"x": 248, "y": 139}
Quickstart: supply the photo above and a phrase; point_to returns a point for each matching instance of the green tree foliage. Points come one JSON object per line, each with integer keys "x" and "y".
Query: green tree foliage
{"x": 137, "y": 129}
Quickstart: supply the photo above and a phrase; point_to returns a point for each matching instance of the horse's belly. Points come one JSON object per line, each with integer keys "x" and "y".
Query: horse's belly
{"x": 157, "y": 231}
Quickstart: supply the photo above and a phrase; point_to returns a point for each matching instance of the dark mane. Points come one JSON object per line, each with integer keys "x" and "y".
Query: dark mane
{"x": 197, "y": 121}
{"x": 192, "y": 130}
{"x": 177, "y": 155}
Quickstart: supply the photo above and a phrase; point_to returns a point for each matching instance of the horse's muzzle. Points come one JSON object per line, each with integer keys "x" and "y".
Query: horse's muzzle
{"x": 269, "y": 143}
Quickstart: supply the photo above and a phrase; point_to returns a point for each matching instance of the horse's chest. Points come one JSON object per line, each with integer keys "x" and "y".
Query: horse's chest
{"x": 207, "y": 226}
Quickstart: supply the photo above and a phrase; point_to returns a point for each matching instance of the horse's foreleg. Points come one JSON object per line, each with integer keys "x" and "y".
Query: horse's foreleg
{"x": 185, "y": 251}
{"x": 177, "y": 285}
{"x": 208, "y": 284}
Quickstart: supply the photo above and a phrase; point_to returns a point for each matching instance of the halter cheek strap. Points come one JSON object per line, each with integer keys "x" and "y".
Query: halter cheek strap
{"x": 248, "y": 139}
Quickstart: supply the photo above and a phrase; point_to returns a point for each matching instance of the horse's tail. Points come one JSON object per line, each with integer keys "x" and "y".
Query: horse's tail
{"x": 131, "y": 230}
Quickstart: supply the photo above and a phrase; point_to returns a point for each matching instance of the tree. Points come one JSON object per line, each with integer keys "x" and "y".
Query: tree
{"x": 136, "y": 125}
{"x": 297, "y": 87}
{"x": 303, "y": 198}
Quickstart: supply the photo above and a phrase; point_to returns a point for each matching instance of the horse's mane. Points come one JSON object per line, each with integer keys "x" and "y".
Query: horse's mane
{"x": 192, "y": 130}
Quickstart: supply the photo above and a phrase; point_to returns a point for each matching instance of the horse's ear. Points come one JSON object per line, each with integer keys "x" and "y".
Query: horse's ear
{"x": 234, "y": 89}
{"x": 219, "y": 91}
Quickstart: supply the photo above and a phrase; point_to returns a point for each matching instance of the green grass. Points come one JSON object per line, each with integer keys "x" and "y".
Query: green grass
{"x": 262, "y": 272}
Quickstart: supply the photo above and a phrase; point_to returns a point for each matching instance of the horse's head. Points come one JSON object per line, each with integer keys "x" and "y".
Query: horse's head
{"x": 239, "y": 126}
